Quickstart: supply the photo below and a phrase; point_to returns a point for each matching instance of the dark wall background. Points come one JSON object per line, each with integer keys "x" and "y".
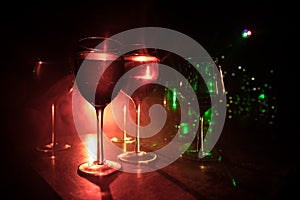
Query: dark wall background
{"x": 50, "y": 30}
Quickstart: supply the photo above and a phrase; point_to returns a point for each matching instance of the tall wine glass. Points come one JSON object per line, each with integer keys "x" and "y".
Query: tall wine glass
{"x": 125, "y": 139}
{"x": 123, "y": 110}
{"x": 54, "y": 79}
{"x": 214, "y": 88}
{"x": 145, "y": 75}
{"x": 97, "y": 70}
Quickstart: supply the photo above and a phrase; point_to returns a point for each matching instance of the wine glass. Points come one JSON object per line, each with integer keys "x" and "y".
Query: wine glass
{"x": 145, "y": 74}
{"x": 125, "y": 139}
{"x": 123, "y": 112}
{"x": 213, "y": 88}
{"x": 98, "y": 68}
{"x": 53, "y": 79}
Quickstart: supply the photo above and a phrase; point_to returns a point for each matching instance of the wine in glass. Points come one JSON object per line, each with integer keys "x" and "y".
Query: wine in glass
{"x": 53, "y": 79}
{"x": 98, "y": 68}
{"x": 143, "y": 67}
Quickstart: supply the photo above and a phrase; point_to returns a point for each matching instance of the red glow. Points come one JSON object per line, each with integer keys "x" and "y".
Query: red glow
{"x": 90, "y": 142}
{"x": 142, "y": 58}
{"x": 38, "y": 68}
{"x": 99, "y": 56}
{"x": 151, "y": 71}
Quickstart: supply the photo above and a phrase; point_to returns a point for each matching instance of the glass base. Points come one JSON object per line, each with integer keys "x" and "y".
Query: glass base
{"x": 52, "y": 147}
{"x": 121, "y": 140}
{"x": 137, "y": 157}
{"x": 203, "y": 156}
{"x": 96, "y": 169}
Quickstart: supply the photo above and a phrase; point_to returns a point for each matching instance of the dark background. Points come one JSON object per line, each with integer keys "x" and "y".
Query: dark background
{"x": 44, "y": 28}
{"x": 50, "y": 30}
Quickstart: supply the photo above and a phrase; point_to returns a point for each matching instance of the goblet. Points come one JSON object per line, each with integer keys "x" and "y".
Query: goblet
{"x": 125, "y": 139}
{"x": 46, "y": 73}
{"x": 98, "y": 68}
{"x": 143, "y": 67}
{"x": 205, "y": 91}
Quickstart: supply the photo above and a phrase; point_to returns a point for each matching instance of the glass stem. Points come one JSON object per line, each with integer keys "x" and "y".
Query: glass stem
{"x": 202, "y": 136}
{"x": 138, "y": 119}
{"x": 124, "y": 129}
{"x": 100, "y": 152}
{"x": 124, "y": 123}
{"x": 52, "y": 124}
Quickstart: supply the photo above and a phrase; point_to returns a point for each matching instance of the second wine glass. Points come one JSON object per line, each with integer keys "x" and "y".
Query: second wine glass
{"x": 144, "y": 70}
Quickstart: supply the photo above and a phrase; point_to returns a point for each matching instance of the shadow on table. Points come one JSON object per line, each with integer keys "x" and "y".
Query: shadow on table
{"x": 103, "y": 182}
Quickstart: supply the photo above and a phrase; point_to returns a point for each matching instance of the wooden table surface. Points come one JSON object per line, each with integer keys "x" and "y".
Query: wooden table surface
{"x": 238, "y": 174}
